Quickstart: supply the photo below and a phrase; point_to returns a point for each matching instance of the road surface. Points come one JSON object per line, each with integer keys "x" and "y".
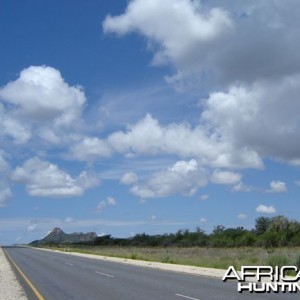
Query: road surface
{"x": 60, "y": 276}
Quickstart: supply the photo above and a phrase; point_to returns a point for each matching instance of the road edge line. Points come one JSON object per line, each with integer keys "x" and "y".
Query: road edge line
{"x": 30, "y": 284}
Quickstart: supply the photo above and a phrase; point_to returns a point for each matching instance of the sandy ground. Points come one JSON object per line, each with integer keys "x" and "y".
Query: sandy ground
{"x": 10, "y": 289}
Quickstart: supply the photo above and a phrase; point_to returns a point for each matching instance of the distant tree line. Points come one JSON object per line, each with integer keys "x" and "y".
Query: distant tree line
{"x": 268, "y": 232}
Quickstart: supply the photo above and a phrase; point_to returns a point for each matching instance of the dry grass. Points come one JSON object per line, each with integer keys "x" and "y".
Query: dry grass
{"x": 219, "y": 258}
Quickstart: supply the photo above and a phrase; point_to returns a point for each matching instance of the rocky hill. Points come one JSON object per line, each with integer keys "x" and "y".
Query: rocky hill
{"x": 57, "y": 236}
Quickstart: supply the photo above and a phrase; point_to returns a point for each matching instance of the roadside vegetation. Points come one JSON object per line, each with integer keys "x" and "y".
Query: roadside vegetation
{"x": 274, "y": 241}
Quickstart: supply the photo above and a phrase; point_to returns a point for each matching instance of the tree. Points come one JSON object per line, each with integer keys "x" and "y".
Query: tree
{"x": 261, "y": 225}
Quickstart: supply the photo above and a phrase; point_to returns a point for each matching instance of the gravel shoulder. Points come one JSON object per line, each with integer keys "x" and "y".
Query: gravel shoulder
{"x": 9, "y": 285}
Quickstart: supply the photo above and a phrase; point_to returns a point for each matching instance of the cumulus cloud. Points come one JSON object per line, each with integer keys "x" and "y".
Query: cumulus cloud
{"x": 14, "y": 128}
{"x": 129, "y": 178}
{"x": 225, "y": 177}
{"x": 237, "y": 129}
{"x": 40, "y": 96}
{"x": 148, "y": 137}
{"x": 262, "y": 117}
{"x": 45, "y": 179}
{"x": 257, "y": 113}
{"x": 264, "y": 209}
{"x": 242, "y": 55}
{"x": 157, "y": 19}
{"x": 241, "y": 187}
{"x": 216, "y": 40}
{"x": 40, "y": 93}
{"x": 89, "y": 149}
{"x": 183, "y": 177}
{"x": 111, "y": 201}
{"x": 277, "y": 187}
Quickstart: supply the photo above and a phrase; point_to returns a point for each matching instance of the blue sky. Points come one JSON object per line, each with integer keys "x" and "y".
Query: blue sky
{"x": 122, "y": 117}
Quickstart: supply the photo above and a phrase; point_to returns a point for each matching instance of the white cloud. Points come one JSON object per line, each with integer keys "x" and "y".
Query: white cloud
{"x": 266, "y": 209}
{"x": 32, "y": 227}
{"x": 250, "y": 116}
{"x": 242, "y": 216}
{"x": 262, "y": 118}
{"x": 216, "y": 40}
{"x": 90, "y": 148}
{"x": 87, "y": 179}
{"x": 203, "y": 220}
{"x": 129, "y": 178}
{"x": 183, "y": 177}
{"x": 241, "y": 187}
{"x": 111, "y": 201}
{"x": 184, "y": 167}
{"x": 47, "y": 180}
{"x": 40, "y": 93}
{"x": 101, "y": 206}
{"x": 225, "y": 177}
{"x": 255, "y": 113}
{"x": 238, "y": 129}
{"x": 148, "y": 137}
{"x": 40, "y": 96}
{"x": 5, "y": 195}
{"x": 277, "y": 187}
{"x": 20, "y": 132}
{"x": 157, "y": 19}
{"x": 4, "y": 166}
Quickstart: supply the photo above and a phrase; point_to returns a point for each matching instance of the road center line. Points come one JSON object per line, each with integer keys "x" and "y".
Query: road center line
{"x": 104, "y": 274}
{"x": 186, "y": 297}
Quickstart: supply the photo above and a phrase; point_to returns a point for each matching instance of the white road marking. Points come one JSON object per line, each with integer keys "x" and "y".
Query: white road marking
{"x": 186, "y": 297}
{"x": 104, "y": 274}
{"x": 69, "y": 264}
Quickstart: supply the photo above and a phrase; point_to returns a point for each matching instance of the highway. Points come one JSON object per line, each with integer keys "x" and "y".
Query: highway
{"x": 60, "y": 276}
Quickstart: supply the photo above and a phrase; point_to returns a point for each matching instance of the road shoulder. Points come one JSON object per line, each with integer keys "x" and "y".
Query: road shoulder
{"x": 198, "y": 271}
{"x": 9, "y": 286}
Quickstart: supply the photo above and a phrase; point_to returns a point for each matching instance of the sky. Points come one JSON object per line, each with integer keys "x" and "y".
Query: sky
{"x": 124, "y": 117}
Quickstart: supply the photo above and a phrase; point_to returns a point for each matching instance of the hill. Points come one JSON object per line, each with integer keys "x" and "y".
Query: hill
{"x": 57, "y": 236}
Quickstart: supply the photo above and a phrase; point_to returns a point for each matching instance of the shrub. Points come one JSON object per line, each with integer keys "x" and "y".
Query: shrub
{"x": 297, "y": 263}
{"x": 133, "y": 256}
{"x": 277, "y": 260}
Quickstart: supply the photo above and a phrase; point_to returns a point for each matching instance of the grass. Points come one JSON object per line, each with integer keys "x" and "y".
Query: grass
{"x": 220, "y": 258}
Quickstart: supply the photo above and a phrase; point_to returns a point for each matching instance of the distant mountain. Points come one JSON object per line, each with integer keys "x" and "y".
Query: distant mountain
{"x": 57, "y": 236}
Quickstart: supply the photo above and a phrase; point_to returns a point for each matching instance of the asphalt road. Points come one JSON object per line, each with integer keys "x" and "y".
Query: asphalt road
{"x": 60, "y": 276}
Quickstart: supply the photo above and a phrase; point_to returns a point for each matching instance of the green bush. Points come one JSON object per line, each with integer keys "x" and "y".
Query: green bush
{"x": 277, "y": 260}
{"x": 133, "y": 256}
{"x": 297, "y": 263}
